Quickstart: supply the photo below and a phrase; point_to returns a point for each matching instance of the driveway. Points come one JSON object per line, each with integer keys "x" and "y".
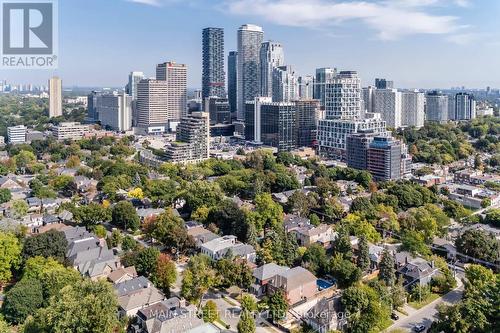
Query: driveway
{"x": 229, "y": 313}
{"x": 425, "y": 315}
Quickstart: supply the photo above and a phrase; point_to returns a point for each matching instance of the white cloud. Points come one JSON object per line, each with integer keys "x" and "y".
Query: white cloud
{"x": 156, "y": 3}
{"x": 390, "y": 19}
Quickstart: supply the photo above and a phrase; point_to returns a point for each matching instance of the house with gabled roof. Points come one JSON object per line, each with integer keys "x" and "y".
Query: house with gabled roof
{"x": 136, "y": 294}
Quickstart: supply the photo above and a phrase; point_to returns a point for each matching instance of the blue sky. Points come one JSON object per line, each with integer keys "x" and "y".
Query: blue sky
{"x": 417, "y": 43}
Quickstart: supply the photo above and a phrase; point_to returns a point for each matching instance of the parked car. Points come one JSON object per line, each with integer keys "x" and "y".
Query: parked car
{"x": 394, "y": 316}
{"x": 419, "y": 328}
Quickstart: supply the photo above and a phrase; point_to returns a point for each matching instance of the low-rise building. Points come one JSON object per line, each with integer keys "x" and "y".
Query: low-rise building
{"x": 70, "y": 131}
{"x": 474, "y": 197}
{"x": 16, "y": 134}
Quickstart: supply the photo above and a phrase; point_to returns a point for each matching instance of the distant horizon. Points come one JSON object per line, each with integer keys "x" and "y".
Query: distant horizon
{"x": 416, "y": 44}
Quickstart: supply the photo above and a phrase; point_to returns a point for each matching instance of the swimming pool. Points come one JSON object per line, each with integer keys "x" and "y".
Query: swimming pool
{"x": 323, "y": 284}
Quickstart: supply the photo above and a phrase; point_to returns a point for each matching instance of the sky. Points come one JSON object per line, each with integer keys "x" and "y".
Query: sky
{"x": 416, "y": 43}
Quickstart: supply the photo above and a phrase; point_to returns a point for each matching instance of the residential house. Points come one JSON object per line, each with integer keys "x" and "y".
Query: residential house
{"x": 147, "y": 213}
{"x": 414, "y": 270}
{"x": 122, "y": 274}
{"x": 297, "y": 283}
{"x": 322, "y": 234}
{"x": 327, "y": 315}
{"x": 136, "y": 294}
{"x": 263, "y": 276}
{"x": 88, "y": 254}
{"x": 282, "y": 197}
{"x": 218, "y": 248}
{"x": 430, "y": 180}
{"x": 169, "y": 316}
{"x": 200, "y": 234}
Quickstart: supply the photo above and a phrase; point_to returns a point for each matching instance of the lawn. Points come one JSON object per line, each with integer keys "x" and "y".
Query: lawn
{"x": 418, "y": 305}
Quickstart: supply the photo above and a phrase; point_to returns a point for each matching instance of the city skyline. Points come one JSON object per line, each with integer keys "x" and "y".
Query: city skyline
{"x": 421, "y": 47}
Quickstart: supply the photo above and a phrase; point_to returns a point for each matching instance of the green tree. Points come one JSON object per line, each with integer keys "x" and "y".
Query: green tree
{"x": 413, "y": 241}
{"x": 99, "y": 231}
{"x": 493, "y": 217}
{"x": 5, "y": 195}
{"x": 4, "y": 327}
{"x": 478, "y": 244}
{"x": 398, "y": 294}
{"x": 246, "y": 323}
{"x": 161, "y": 192}
{"x": 170, "y": 230}
{"x": 248, "y": 303}
{"x": 84, "y": 307}
{"x": 210, "y": 312}
{"x": 91, "y": 214}
{"x": 125, "y": 216}
{"x": 387, "y": 272}
{"x": 129, "y": 243}
{"x": 198, "y": 277}
{"x": 10, "y": 251}
{"x": 24, "y": 299}
{"x": 267, "y": 214}
{"x": 49, "y": 244}
{"x": 201, "y": 193}
{"x": 35, "y": 267}
{"x": 165, "y": 274}
{"x": 363, "y": 254}
{"x": 315, "y": 259}
{"x": 278, "y": 306}
{"x": 146, "y": 261}
{"x": 345, "y": 272}
{"x": 19, "y": 209}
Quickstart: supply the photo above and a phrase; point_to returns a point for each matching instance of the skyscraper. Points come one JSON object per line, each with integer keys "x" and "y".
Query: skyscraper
{"x": 285, "y": 86}
{"x": 213, "y": 77}
{"x": 384, "y": 84}
{"x": 152, "y": 106}
{"x": 413, "y": 108}
{"x": 248, "y": 65}
{"x": 307, "y": 121}
{"x": 387, "y": 102}
{"x": 175, "y": 76}
{"x": 92, "y": 113}
{"x": 133, "y": 80}
{"x": 55, "y": 97}
{"x": 115, "y": 111}
{"x": 436, "y": 106}
{"x": 306, "y": 87}
{"x": 465, "y": 106}
{"x": 253, "y": 123}
{"x": 231, "y": 81}
{"x": 367, "y": 96}
{"x": 323, "y": 75}
{"x": 218, "y": 109}
{"x": 271, "y": 56}
{"x": 343, "y": 114}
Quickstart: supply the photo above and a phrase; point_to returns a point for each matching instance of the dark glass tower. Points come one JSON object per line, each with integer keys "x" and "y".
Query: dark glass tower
{"x": 213, "y": 76}
{"x": 231, "y": 80}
